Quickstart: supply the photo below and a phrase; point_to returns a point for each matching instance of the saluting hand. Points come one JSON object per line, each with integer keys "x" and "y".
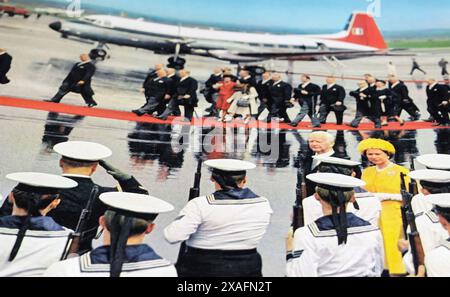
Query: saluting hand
{"x": 114, "y": 172}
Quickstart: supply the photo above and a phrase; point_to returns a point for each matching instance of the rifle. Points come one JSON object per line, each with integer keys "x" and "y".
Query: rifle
{"x": 194, "y": 192}
{"x": 74, "y": 241}
{"x": 298, "y": 217}
{"x": 413, "y": 188}
{"x": 409, "y": 219}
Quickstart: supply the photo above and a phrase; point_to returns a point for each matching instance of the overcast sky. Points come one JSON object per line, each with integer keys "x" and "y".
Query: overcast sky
{"x": 293, "y": 14}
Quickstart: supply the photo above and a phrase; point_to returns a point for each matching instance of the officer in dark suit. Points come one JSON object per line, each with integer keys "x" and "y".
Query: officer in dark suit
{"x": 364, "y": 105}
{"x": 306, "y": 94}
{"x": 211, "y": 94}
{"x": 151, "y": 75}
{"x": 185, "y": 95}
{"x": 320, "y": 144}
{"x": 172, "y": 80}
{"x": 280, "y": 94}
{"x": 400, "y": 90}
{"x": 156, "y": 93}
{"x": 5, "y": 66}
{"x": 262, "y": 88}
{"x": 78, "y": 81}
{"x": 438, "y": 102}
{"x": 332, "y": 99}
{"x": 247, "y": 78}
{"x": 79, "y": 162}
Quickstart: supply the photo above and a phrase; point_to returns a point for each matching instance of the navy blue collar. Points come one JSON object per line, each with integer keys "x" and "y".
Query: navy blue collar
{"x": 359, "y": 190}
{"x": 36, "y": 223}
{"x": 235, "y": 194}
{"x": 326, "y": 223}
{"x": 133, "y": 254}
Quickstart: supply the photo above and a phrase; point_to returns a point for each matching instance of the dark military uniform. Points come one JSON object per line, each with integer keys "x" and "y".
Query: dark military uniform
{"x": 262, "y": 88}
{"x": 385, "y": 103}
{"x": 436, "y": 96}
{"x": 212, "y": 94}
{"x": 5, "y": 66}
{"x": 187, "y": 86}
{"x": 73, "y": 201}
{"x": 328, "y": 99}
{"x": 82, "y": 71}
{"x": 400, "y": 90}
{"x": 365, "y": 107}
{"x": 280, "y": 93}
{"x": 155, "y": 91}
{"x": 308, "y": 102}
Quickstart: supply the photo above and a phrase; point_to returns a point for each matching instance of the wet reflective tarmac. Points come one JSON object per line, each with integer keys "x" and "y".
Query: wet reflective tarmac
{"x": 164, "y": 157}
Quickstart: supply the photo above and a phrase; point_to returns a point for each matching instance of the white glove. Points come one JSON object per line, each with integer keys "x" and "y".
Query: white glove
{"x": 339, "y": 103}
{"x": 187, "y": 96}
{"x": 304, "y": 92}
{"x": 444, "y": 102}
{"x": 383, "y": 97}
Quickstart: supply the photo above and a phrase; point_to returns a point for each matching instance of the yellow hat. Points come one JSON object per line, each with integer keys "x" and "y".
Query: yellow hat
{"x": 374, "y": 143}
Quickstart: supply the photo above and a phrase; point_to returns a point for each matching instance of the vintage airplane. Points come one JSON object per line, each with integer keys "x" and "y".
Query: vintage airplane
{"x": 361, "y": 37}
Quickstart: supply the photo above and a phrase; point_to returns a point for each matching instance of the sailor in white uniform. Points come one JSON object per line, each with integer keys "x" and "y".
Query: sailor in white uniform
{"x": 126, "y": 223}
{"x": 30, "y": 241}
{"x": 367, "y": 206}
{"x": 435, "y": 180}
{"x": 339, "y": 244}
{"x": 427, "y": 222}
{"x": 437, "y": 262}
{"x": 222, "y": 230}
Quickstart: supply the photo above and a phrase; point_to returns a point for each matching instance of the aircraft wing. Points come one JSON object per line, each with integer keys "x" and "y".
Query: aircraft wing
{"x": 298, "y": 55}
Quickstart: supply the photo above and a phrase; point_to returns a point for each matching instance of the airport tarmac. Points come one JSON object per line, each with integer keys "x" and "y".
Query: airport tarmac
{"x": 150, "y": 151}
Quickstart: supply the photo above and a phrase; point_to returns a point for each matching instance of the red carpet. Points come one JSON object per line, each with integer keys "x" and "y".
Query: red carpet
{"x": 205, "y": 122}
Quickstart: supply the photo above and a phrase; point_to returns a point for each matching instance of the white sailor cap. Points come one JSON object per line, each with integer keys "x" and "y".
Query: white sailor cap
{"x": 431, "y": 175}
{"x": 83, "y": 151}
{"x": 41, "y": 183}
{"x": 336, "y": 161}
{"x": 335, "y": 181}
{"x": 435, "y": 161}
{"x": 441, "y": 201}
{"x": 136, "y": 205}
{"x": 230, "y": 165}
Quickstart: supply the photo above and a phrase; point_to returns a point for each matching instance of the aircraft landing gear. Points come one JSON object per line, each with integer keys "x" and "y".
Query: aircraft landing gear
{"x": 99, "y": 53}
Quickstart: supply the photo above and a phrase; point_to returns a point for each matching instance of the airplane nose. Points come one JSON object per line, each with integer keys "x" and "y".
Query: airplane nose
{"x": 55, "y": 26}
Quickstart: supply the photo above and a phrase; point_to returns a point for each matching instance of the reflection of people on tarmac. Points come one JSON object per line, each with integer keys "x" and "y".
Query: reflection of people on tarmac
{"x": 79, "y": 81}
{"x": 149, "y": 142}
{"x": 5, "y": 66}
{"x": 442, "y": 141}
{"x": 58, "y": 128}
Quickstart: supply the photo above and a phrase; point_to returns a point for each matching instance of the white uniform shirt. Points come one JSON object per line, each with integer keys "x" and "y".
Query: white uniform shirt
{"x": 317, "y": 253}
{"x": 42, "y": 246}
{"x": 221, "y": 222}
{"x": 95, "y": 264}
{"x": 431, "y": 235}
{"x": 438, "y": 261}
{"x": 369, "y": 208}
{"x": 420, "y": 204}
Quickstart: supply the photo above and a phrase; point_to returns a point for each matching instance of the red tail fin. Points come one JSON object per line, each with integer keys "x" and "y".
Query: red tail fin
{"x": 363, "y": 30}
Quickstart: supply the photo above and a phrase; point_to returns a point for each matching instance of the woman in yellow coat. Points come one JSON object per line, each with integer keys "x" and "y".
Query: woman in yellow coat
{"x": 384, "y": 180}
